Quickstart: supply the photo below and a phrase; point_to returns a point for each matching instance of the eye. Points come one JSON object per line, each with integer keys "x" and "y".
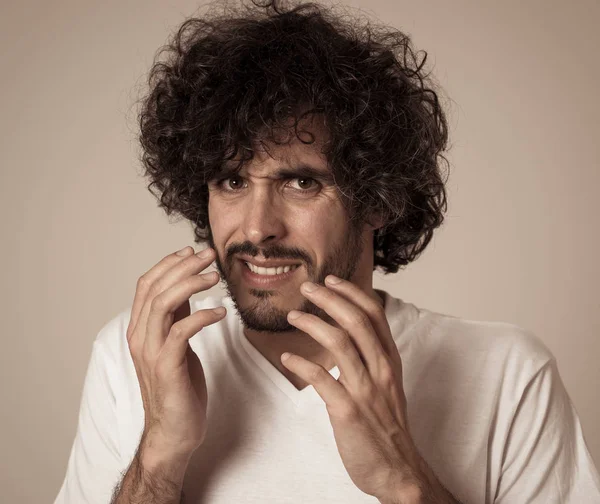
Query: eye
{"x": 305, "y": 183}
{"x": 234, "y": 183}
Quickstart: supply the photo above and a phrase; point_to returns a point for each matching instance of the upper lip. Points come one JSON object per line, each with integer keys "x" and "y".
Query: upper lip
{"x": 267, "y": 264}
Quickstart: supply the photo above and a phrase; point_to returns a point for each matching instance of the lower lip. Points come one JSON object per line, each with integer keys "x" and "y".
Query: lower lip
{"x": 265, "y": 280}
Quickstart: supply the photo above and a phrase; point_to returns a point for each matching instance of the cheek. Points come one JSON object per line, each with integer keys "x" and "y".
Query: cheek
{"x": 324, "y": 217}
{"x": 318, "y": 228}
{"x": 211, "y": 213}
{"x": 220, "y": 219}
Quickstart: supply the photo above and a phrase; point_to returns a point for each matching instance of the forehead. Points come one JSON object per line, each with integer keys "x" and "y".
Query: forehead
{"x": 294, "y": 156}
{"x": 281, "y": 166}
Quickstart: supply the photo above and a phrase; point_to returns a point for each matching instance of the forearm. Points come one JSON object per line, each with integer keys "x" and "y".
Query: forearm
{"x": 426, "y": 490}
{"x": 436, "y": 495}
{"x": 152, "y": 478}
{"x": 424, "y": 495}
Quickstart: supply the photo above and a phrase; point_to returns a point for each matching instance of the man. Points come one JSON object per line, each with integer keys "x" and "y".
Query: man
{"x": 307, "y": 154}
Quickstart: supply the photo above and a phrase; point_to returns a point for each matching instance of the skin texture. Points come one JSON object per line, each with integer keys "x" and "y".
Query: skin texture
{"x": 220, "y": 83}
{"x": 254, "y": 213}
{"x": 366, "y": 405}
{"x": 268, "y": 218}
{"x": 171, "y": 377}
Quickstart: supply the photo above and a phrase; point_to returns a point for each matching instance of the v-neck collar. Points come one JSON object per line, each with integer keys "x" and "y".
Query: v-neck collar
{"x": 308, "y": 394}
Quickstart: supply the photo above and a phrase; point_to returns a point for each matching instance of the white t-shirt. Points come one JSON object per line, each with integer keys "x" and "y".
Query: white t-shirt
{"x": 486, "y": 405}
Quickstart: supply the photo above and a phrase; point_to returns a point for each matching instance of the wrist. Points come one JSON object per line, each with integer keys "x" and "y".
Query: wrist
{"x": 421, "y": 486}
{"x": 158, "y": 460}
{"x": 410, "y": 495}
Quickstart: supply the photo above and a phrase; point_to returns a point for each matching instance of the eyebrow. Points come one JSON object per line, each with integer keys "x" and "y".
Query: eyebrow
{"x": 300, "y": 170}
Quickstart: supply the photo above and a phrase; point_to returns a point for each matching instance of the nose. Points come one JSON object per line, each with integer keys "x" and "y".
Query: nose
{"x": 263, "y": 217}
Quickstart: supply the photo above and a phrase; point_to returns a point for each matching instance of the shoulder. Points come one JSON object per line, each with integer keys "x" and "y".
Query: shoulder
{"x": 484, "y": 346}
{"x": 507, "y": 337}
{"x": 514, "y": 340}
{"x": 448, "y": 345}
{"x": 471, "y": 367}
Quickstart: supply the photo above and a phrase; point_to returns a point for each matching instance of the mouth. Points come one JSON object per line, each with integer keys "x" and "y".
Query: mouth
{"x": 259, "y": 276}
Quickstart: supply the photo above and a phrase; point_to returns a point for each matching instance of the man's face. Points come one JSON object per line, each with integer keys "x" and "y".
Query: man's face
{"x": 259, "y": 216}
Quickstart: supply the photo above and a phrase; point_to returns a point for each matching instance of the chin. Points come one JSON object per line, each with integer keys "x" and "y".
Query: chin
{"x": 263, "y": 317}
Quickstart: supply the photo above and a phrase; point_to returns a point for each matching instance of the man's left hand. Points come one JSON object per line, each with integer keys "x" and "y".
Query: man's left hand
{"x": 366, "y": 404}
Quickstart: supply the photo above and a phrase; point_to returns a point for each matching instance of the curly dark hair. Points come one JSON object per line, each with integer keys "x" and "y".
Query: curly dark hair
{"x": 231, "y": 78}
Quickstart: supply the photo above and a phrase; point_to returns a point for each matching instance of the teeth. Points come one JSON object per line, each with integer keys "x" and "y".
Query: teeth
{"x": 270, "y": 271}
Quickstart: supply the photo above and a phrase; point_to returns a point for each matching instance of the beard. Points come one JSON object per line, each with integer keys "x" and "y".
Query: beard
{"x": 263, "y": 315}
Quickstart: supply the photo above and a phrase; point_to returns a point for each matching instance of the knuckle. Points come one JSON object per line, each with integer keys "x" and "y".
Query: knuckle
{"x": 359, "y": 319}
{"x": 386, "y": 374}
{"x": 156, "y": 288}
{"x": 341, "y": 341}
{"x": 327, "y": 294}
{"x": 158, "y": 304}
{"x": 143, "y": 284}
{"x": 317, "y": 374}
{"x": 186, "y": 284}
{"x": 177, "y": 331}
{"x": 192, "y": 284}
{"x": 192, "y": 262}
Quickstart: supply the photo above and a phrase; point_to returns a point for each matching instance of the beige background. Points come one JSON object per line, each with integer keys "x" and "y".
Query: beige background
{"x": 520, "y": 244}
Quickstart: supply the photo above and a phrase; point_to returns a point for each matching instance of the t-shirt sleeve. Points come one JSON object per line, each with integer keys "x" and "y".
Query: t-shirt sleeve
{"x": 546, "y": 460}
{"x": 94, "y": 466}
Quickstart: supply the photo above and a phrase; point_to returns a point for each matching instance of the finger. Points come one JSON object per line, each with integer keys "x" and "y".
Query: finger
{"x": 173, "y": 353}
{"x": 354, "y": 321}
{"x": 374, "y": 311}
{"x": 145, "y": 281}
{"x": 361, "y": 387}
{"x": 163, "y": 306}
{"x": 391, "y": 380}
{"x": 190, "y": 266}
{"x": 338, "y": 342}
{"x": 334, "y": 394}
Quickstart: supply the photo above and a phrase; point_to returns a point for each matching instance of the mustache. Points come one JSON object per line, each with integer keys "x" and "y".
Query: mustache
{"x": 273, "y": 252}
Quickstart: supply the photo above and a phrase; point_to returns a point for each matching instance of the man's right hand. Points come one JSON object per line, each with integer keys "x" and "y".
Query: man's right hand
{"x": 171, "y": 377}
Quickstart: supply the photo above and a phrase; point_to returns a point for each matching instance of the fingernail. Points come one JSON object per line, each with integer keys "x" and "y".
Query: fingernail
{"x": 219, "y": 311}
{"x": 211, "y": 277}
{"x": 309, "y": 286}
{"x": 184, "y": 251}
{"x": 204, "y": 253}
{"x": 332, "y": 279}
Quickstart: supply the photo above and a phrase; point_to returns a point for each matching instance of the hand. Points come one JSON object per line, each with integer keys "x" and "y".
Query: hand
{"x": 366, "y": 405}
{"x": 171, "y": 378}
